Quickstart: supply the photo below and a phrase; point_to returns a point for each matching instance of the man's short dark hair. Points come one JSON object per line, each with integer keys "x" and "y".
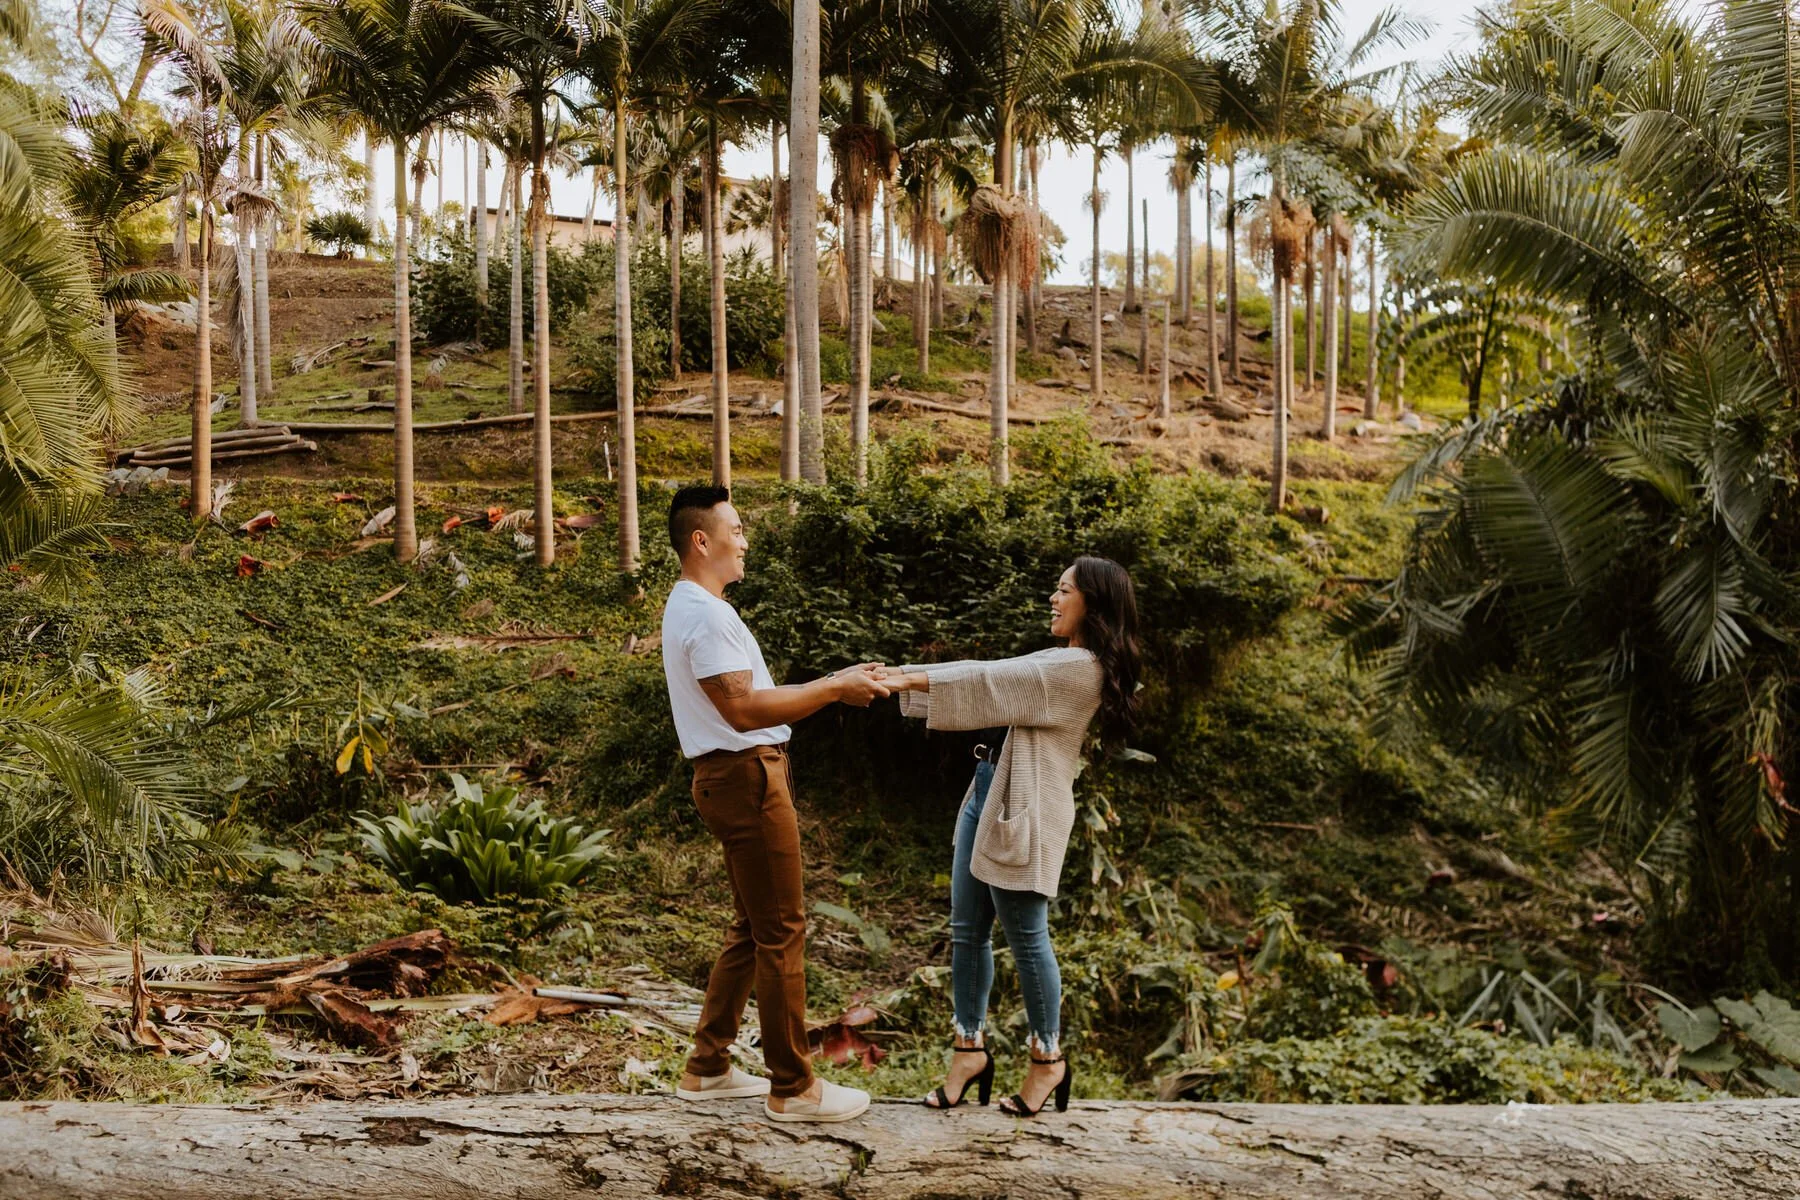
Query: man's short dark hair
{"x": 689, "y": 510}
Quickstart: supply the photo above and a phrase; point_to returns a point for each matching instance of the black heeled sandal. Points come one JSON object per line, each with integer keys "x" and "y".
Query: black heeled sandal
{"x": 984, "y": 1082}
{"x": 1015, "y": 1106}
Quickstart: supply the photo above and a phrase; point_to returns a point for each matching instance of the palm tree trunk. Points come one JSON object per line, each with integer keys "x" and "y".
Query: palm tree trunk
{"x": 790, "y": 354}
{"x": 1214, "y": 385}
{"x": 999, "y": 375}
{"x": 803, "y": 233}
{"x": 859, "y": 254}
{"x": 1184, "y": 217}
{"x": 1036, "y": 290}
{"x": 939, "y": 294}
{"x": 841, "y": 277}
{"x": 515, "y": 316}
{"x": 504, "y": 207}
{"x": 246, "y": 286}
{"x": 481, "y": 241}
{"x": 1399, "y": 359}
{"x": 775, "y": 267}
{"x": 540, "y": 349}
{"x": 1097, "y": 350}
{"x": 1371, "y": 389}
{"x": 587, "y": 222}
{"x": 1144, "y": 304}
{"x": 200, "y": 473}
{"x": 265, "y": 366}
{"x": 921, "y": 298}
{"x": 721, "y": 364}
{"x": 1328, "y": 281}
{"x": 1282, "y": 345}
{"x": 790, "y": 397}
{"x": 1131, "y": 284}
{"x": 677, "y": 236}
{"x": 1162, "y": 392}
{"x": 1346, "y": 303}
{"x": 1313, "y": 281}
{"x": 624, "y": 380}
{"x": 406, "y": 532}
{"x": 418, "y": 200}
{"x": 1231, "y": 271}
{"x": 887, "y": 241}
{"x": 371, "y": 210}
{"x": 182, "y": 258}
{"x": 1028, "y": 293}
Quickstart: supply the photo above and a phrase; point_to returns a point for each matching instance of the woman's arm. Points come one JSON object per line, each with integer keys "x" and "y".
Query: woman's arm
{"x": 976, "y": 695}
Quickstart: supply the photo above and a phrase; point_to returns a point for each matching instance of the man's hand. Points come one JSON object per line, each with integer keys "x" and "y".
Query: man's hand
{"x": 861, "y": 685}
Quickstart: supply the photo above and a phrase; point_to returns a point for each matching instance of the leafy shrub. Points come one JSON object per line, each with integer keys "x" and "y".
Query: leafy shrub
{"x": 754, "y": 307}
{"x": 924, "y": 564}
{"x": 1410, "y": 1060}
{"x": 343, "y": 231}
{"x": 1315, "y": 993}
{"x": 482, "y": 845}
{"x": 96, "y": 780}
{"x": 444, "y": 304}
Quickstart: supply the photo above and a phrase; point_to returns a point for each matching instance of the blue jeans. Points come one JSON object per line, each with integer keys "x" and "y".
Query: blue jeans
{"x": 1025, "y": 918}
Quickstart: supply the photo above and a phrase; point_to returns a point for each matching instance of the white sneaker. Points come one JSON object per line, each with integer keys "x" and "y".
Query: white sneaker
{"x": 733, "y": 1085}
{"x": 834, "y": 1104}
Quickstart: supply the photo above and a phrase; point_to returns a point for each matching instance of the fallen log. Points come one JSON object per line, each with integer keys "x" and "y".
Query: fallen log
{"x": 441, "y": 426}
{"x": 220, "y": 438}
{"x": 605, "y": 414}
{"x": 286, "y": 446}
{"x": 625, "y": 1147}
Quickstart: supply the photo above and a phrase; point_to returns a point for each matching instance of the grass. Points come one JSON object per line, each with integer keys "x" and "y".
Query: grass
{"x": 1272, "y": 790}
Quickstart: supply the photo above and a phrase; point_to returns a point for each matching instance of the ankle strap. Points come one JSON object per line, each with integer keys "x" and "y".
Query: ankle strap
{"x": 969, "y": 1049}
{"x": 1049, "y": 1062}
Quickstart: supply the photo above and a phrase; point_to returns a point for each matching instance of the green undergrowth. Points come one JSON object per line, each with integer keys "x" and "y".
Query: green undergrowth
{"x": 1256, "y": 790}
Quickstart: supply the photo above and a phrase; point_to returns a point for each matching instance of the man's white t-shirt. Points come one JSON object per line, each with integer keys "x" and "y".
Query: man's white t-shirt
{"x": 703, "y": 636}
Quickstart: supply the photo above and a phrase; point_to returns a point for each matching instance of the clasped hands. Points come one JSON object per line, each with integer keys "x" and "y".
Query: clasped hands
{"x": 861, "y": 685}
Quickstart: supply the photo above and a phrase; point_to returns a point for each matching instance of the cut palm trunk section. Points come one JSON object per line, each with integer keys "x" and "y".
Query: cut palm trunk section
{"x": 631, "y": 1147}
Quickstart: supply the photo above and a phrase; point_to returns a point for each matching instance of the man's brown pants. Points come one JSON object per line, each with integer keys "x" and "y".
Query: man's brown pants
{"x": 746, "y": 798}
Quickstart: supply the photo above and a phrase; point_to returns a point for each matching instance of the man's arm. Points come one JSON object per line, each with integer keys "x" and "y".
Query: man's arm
{"x": 746, "y": 707}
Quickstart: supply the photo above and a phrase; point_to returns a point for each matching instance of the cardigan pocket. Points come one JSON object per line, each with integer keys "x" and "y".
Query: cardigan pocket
{"x": 1009, "y": 836}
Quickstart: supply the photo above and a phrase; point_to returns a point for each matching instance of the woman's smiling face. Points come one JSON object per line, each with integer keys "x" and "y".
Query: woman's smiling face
{"x": 1068, "y": 609}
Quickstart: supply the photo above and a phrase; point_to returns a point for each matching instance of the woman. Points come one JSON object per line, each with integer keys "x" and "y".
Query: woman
{"x": 1014, "y": 826}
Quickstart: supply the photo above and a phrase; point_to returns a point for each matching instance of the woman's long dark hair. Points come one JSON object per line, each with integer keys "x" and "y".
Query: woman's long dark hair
{"x": 1109, "y": 632}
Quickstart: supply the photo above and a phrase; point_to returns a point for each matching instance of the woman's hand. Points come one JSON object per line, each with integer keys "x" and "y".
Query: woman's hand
{"x": 902, "y": 681}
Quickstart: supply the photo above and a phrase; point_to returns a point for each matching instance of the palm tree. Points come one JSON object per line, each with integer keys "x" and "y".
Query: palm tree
{"x": 206, "y": 91}
{"x": 999, "y": 65}
{"x": 673, "y": 139}
{"x": 537, "y": 42}
{"x": 1597, "y": 593}
{"x": 1289, "y": 79}
{"x": 631, "y": 52}
{"x": 63, "y": 394}
{"x": 262, "y": 67}
{"x": 118, "y": 172}
{"x": 404, "y": 66}
{"x": 803, "y": 234}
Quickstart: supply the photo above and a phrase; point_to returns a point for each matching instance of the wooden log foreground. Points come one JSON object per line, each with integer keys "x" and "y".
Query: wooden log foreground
{"x": 626, "y": 1147}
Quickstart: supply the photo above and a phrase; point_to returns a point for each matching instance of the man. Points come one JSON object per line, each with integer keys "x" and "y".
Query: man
{"x": 733, "y": 725}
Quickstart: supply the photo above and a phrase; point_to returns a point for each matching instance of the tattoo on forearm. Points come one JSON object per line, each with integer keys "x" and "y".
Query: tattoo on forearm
{"x": 733, "y": 685}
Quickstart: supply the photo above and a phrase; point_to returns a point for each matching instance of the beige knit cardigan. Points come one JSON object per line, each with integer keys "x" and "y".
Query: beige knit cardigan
{"x": 1047, "y": 699}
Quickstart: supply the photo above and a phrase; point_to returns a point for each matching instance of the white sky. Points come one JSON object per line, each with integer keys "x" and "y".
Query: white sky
{"x": 1064, "y": 175}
